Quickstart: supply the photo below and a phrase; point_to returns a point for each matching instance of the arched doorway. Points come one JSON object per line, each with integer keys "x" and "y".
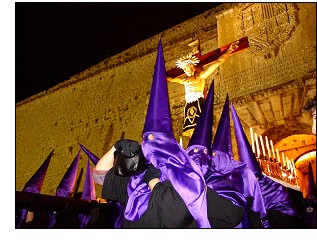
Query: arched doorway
{"x": 302, "y": 149}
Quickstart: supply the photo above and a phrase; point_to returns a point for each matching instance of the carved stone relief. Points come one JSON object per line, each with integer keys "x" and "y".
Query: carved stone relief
{"x": 267, "y": 25}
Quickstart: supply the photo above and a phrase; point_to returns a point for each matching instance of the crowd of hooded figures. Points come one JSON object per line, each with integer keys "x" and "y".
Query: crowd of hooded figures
{"x": 159, "y": 184}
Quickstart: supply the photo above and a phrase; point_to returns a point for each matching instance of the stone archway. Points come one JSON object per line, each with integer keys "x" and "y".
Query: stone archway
{"x": 295, "y": 146}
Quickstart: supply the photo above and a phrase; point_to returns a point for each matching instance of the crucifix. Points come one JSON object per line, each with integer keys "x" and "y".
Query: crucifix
{"x": 195, "y": 79}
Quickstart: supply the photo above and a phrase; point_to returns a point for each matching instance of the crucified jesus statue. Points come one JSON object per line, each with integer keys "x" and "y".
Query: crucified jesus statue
{"x": 195, "y": 81}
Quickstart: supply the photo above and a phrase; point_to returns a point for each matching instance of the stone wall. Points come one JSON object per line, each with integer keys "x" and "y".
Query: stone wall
{"x": 282, "y": 45}
{"x": 99, "y": 105}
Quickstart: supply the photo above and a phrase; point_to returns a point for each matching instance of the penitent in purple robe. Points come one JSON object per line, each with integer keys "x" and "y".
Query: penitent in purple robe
{"x": 89, "y": 193}
{"x": 162, "y": 150}
{"x": 274, "y": 195}
{"x": 34, "y": 185}
{"x": 66, "y": 186}
{"x": 240, "y": 174}
{"x": 199, "y": 149}
{"x": 254, "y": 189}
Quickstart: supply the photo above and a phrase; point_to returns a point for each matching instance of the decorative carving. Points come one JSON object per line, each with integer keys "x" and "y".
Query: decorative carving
{"x": 273, "y": 72}
{"x": 267, "y": 25}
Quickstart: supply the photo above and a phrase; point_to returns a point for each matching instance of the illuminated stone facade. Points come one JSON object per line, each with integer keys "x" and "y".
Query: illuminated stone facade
{"x": 268, "y": 84}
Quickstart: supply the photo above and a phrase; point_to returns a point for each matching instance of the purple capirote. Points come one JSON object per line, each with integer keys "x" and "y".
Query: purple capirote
{"x": 162, "y": 150}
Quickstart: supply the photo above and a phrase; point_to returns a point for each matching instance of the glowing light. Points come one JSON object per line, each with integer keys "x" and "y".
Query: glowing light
{"x": 307, "y": 156}
{"x": 262, "y": 145}
{"x": 271, "y": 142}
{"x": 257, "y": 144}
{"x": 291, "y": 176}
{"x": 267, "y": 146}
{"x": 252, "y": 140}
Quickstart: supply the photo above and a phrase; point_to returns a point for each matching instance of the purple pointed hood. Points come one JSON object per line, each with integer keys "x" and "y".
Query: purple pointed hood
{"x": 94, "y": 159}
{"x": 89, "y": 192}
{"x": 34, "y": 185}
{"x": 222, "y": 140}
{"x": 311, "y": 186}
{"x": 66, "y": 186}
{"x": 214, "y": 166}
{"x": 203, "y": 131}
{"x": 161, "y": 149}
{"x": 245, "y": 150}
{"x": 158, "y": 117}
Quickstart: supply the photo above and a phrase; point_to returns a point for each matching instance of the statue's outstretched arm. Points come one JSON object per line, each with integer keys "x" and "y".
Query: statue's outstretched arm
{"x": 206, "y": 73}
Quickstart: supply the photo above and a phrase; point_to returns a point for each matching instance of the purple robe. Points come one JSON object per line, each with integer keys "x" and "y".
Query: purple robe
{"x": 276, "y": 197}
{"x": 176, "y": 166}
{"x": 216, "y": 177}
{"x": 252, "y": 189}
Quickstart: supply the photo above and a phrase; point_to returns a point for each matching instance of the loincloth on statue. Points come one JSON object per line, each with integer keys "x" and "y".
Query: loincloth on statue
{"x": 192, "y": 112}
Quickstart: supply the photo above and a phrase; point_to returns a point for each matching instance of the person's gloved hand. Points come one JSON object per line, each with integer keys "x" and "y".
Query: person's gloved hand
{"x": 151, "y": 173}
{"x": 129, "y": 147}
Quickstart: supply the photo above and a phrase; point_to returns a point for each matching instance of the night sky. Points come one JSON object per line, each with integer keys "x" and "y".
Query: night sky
{"x": 54, "y": 41}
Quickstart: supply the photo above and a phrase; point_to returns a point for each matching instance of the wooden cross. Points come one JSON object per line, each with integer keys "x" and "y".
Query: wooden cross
{"x": 212, "y": 56}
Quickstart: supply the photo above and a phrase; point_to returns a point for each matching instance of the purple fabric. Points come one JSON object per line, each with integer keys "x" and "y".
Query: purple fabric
{"x": 222, "y": 140}
{"x": 228, "y": 182}
{"x": 216, "y": 180}
{"x": 252, "y": 189}
{"x": 276, "y": 197}
{"x": 158, "y": 117}
{"x": 226, "y": 179}
{"x": 89, "y": 192}
{"x": 250, "y": 169}
{"x": 34, "y": 185}
{"x": 84, "y": 220}
{"x": 203, "y": 131}
{"x": 202, "y": 160}
{"x": 222, "y": 162}
{"x": 52, "y": 219}
{"x": 139, "y": 195}
{"x": 246, "y": 182}
{"x": 176, "y": 166}
{"x": 118, "y": 212}
{"x": 66, "y": 186}
{"x": 240, "y": 174}
{"x": 20, "y": 218}
{"x": 244, "y": 148}
{"x": 220, "y": 174}
{"x": 311, "y": 186}
{"x": 94, "y": 159}
{"x": 166, "y": 154}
